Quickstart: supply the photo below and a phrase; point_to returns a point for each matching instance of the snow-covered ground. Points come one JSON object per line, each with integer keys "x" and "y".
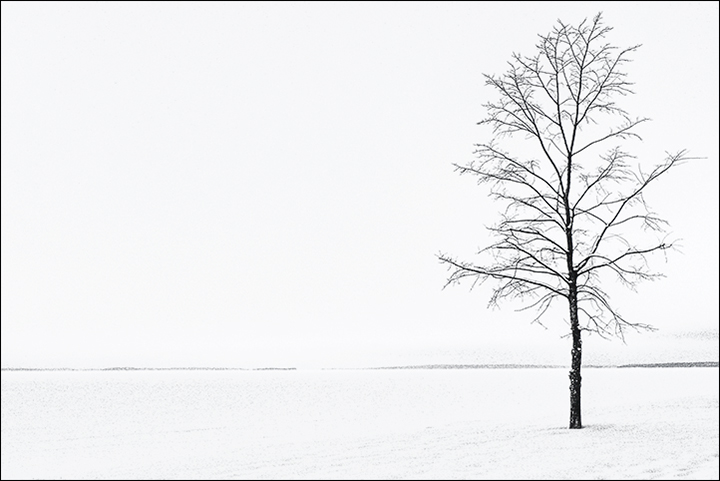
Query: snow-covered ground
{"x": 643, "y": 423}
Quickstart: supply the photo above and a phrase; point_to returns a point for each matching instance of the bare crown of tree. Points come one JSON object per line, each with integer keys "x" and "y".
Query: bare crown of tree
{"x": 570, "y": 210}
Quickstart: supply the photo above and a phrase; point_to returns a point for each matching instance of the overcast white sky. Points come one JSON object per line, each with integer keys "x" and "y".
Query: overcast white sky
{"x": 236, "y": 184}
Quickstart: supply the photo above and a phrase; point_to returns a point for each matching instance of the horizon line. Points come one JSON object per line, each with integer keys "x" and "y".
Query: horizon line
{"x": 421, "y": 366}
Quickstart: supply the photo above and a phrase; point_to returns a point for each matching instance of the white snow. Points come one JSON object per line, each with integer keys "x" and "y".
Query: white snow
{"x": 641, "y": 423}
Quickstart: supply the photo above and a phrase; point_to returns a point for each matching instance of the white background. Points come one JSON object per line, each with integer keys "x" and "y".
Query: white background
{"x": 236, "y": 184}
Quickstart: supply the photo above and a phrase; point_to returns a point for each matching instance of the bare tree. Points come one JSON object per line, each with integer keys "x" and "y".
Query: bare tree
{"x": 572, "y": 196}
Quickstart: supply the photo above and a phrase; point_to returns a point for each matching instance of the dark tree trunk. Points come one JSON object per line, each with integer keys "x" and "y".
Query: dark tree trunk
{"x": 576, "y": 351}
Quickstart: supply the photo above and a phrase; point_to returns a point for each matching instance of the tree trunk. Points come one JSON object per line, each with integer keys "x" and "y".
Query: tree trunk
{"x": 576, "y": 352}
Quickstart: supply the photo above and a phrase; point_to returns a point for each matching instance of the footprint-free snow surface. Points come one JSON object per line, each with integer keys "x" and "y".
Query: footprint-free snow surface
{"x": 641, "y": 423}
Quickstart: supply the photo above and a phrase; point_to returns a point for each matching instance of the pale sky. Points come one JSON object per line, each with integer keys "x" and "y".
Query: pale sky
{"x": 237, "y": 184}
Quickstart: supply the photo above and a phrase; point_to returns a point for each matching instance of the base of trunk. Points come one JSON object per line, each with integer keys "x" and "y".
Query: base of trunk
{"x": 575, "y": 383}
